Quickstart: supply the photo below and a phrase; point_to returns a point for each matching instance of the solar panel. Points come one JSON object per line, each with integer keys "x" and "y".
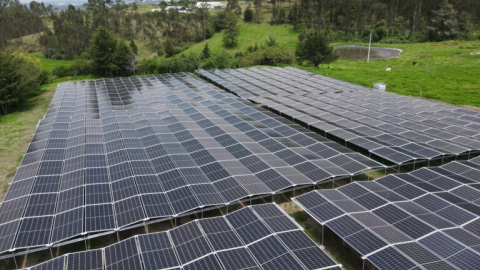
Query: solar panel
{"x": 271, "y": 254}
{"x": 55, "y": 264}
{"x": 423, "y": 229}
{"x": 219, "y": 234}
{"x": 396, "y": 128}
{"x": 110, "y": 153}
{"x": 210, "y": 243}
{"x": 157, "y": 251}
{"x": 237, "y": 259}
{"x": 123, "y": 255}
{"x": 88, "y": 260}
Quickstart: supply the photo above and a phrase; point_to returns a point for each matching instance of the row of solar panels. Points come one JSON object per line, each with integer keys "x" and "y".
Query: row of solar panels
{"x": 256, "y": 237}
{"x": 428, "y": 218}
{"x": 113, "y": 153}
{"x": 392, "y": 127}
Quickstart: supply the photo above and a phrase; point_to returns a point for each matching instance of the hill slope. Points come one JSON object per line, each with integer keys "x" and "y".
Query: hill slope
{"x": 250, "y": 33}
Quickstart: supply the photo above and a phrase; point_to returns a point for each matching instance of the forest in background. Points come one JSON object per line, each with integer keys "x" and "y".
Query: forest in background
{"x": 110, "y": 38}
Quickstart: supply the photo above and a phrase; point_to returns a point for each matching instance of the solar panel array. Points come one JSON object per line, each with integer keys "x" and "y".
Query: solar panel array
{"x": 111, "y": 153}
{"x": 397, "y": 129}
{"x": 255, "y": 237}
{"x": 429, "y": 217}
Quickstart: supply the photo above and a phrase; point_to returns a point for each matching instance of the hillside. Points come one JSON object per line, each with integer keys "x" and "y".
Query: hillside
{"x": 250, "y": 33}
{"x": 445, "y": 72}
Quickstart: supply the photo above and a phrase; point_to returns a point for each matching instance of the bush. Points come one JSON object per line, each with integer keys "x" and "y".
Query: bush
{"x": 62, "y": 71}
{"x": 221, "y": 60}
{"x": 82, "y": 66}
{"x": 269, "y": 56}
{"x": 315, "y": 49}
{"x": 248, "y": 15}
{"x": 181, "y": 64}
{"x": 271, "y": 42}
{"x": 147, "y": 66}
{"x": 19, "y": 75}
{"x": 45, "y": 77}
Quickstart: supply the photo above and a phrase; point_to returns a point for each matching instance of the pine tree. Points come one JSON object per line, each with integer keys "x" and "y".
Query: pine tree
{"x": 121, "y": 58}
{"x": 103, "y": 52}
{"x": 233, "y": 6}
{"x": 231, "y": 32}
{"x": 444, "y": 24}
{"x": 206, "y": 51}
{"x": 133, "y": 47}
{"x": 168, "y": 48}
{"x": 315, "y": 49}
{"x": 248, "y": 14}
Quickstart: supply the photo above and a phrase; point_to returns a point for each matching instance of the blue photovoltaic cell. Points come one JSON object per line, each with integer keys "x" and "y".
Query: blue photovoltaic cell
{"x": 123, "y": 255}
{"x": 55, "y": 264}
{"x": 88, "y": 260}
{"x": 237, "y": 259}
{"x": 189, "y": 247}
{"x": 157, "y": 251}
{"x": 219, "y": 234}
{"x": 127, "y": 149}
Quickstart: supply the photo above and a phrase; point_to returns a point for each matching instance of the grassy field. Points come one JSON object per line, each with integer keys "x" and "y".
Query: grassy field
{"x": 250, "y": 33}
{"x": 445, "y": 72}
{"x": 49, "y": 64}
{"x": 18, "y": 127}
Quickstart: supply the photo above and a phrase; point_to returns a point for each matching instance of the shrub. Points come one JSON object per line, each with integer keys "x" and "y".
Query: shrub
{"x": 269, "y": 56}
{"x": 45, "y": 77}
{"x": 147, "y": 65}
{"x": 248, "y": 15}
{"x": 82, "y": 66}
{"x": 19, "y": 75}
{"x": 62, "y": 71}
{"x": 315, "y": 49}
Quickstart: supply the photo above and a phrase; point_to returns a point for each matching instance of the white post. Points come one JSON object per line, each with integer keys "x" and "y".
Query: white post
{"x": 369, "y": 46}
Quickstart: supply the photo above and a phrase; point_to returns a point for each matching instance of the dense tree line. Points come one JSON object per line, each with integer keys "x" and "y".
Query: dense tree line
{"x": 399, "y": 17}
{"x": 17, "y": 20}
{"x": 73, "y": 28}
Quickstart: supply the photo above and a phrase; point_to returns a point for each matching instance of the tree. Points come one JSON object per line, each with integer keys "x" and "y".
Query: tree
{"x": 271, "y": 42}
{"x": 169, "y": 50}
{"x": 19, "y": 75}
{"x": 258, "y": 10}
{"x": 206, "y": 51}
{"x": 380, "y": 31}
{"x": 133, "y": 47}
{"x": 203, "y": 14}
{"x": 121, "y": 58}
{"x": 102, "y": 52}
{"x": 231, "y": 32}
{"x": 444, "y": 24}
{"x": 248, "y": 14}
{"x": 233, "y": 6}
{"x": 315, "y": 49}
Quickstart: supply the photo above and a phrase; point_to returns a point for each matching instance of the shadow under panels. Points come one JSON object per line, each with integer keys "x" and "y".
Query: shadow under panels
{"x": 113, "y": 153}
{"x": 393, "y": 128}
{"x": 253, "y": 238}
{"x": 426, "y": 219}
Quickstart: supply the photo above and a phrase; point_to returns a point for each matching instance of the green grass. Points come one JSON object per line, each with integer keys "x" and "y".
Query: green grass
{"x": 147, "y": 7}
{"x": 249, "y": 34}
{"x": 439, "y": 74}
{"x": 18, "y": 127}
{"x": 49, "y": 64}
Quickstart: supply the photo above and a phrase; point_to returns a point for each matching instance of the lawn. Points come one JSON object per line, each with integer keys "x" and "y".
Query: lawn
{"x": 250, "y": 33}
{"x": 147, "y": 7}
{"x": 445, "y": 72}
{"x": 49, "y": 64}
{"x": 18, "y": 127}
